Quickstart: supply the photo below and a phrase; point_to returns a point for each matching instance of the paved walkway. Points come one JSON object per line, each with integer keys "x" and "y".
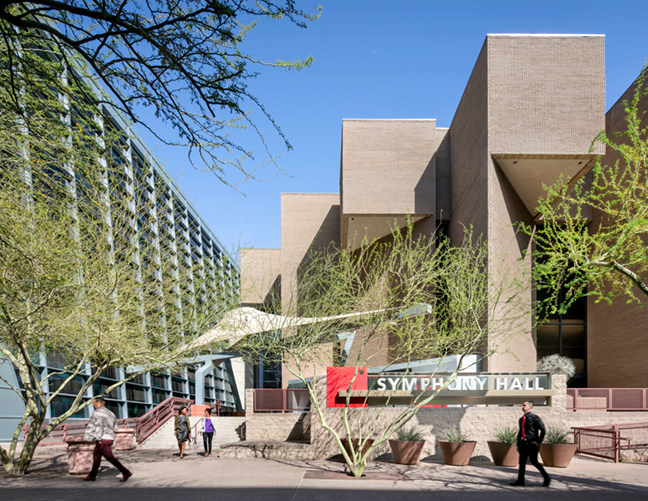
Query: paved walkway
{"x": 161, "y": 475}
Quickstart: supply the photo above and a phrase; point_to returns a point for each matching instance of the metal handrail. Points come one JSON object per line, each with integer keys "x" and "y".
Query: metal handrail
{"x": 144, "y": 426}
{"x": 614, "y": 438}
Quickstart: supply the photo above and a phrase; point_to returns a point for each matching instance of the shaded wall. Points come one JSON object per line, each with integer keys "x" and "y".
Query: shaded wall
{"x": 309, "y": 222}
{"x": 260, "y": 277}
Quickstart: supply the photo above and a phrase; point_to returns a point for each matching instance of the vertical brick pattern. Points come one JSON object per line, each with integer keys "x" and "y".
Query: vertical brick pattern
{"x": 309, "y": 221}
{"x": 388, "y": 166}
{"x": 545, "y": 94}
{"x": 469, "y": 155}
{"x": 260, "y": 276}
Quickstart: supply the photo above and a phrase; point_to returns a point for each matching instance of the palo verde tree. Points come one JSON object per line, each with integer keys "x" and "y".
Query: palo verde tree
{"x": 182, "y": 59}
{"x": 80, "y": 279}
{"x": 422, "y": 299}
{"x": 608, "y": 257}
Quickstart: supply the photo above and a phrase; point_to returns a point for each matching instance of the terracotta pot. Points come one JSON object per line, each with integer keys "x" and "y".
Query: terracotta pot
{"x": 504, "y": 454}
{"x": 354, "y": 441}
{"x": 557, "y": 455}
{"x": 80, "y": 455}
{"x": 124, "y": 439}
{"x": 406, "y": 452}
{"x": 457, "y": 453}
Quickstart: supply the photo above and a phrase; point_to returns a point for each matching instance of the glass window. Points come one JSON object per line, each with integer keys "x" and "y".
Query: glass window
{"x": 566, "y": 335}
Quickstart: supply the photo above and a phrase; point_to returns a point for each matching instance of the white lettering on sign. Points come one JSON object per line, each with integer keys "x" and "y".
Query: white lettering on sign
{"x": 409, "y": 384}
{"x": 462, "y": 383}
{"x": 515, "y": 384}
{"x": 468, "y": 383}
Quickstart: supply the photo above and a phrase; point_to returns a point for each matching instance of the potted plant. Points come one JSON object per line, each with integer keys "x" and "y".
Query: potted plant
{"x": 455, "y": 447}
{"x": 347, "y": 444}
{"x": 504, "y": 448}
{"x": 556, "y": 450}
{"x": 408, "y": 446}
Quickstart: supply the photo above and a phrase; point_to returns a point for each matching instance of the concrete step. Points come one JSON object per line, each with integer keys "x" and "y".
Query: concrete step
{"x": 267, "y": 450}
{"x": 228, "y": 430}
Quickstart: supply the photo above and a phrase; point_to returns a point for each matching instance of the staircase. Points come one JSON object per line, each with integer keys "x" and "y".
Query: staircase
{"x": 228, "y": 430}
{"x": 154, "y": 430}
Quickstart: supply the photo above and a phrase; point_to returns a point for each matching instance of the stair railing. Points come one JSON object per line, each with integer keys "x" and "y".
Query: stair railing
{"x": 144, "y": 426}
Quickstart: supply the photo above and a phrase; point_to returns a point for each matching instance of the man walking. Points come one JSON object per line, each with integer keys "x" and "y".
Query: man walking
{"x": 530, "y": 435}
{"x": 101, "y": 429}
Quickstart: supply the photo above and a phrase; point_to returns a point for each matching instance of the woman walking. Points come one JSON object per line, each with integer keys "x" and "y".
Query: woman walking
{"x": 182, "y": 430}
{"x": 207, "y": 432}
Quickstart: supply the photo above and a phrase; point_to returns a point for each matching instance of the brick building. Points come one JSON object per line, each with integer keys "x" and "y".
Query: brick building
{"x": 529, "y": 112}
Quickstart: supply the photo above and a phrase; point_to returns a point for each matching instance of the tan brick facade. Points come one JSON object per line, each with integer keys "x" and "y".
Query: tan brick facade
{"x": 529, "y": 113}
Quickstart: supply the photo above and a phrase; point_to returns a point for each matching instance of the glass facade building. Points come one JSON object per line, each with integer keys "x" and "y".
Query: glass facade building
{"x": 167, "y": 222}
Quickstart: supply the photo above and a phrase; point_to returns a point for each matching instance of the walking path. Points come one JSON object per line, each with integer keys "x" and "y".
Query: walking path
{"x": 162, "y": 475}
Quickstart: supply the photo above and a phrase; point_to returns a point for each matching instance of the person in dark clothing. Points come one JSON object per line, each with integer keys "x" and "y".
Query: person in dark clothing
{"x": 181, "y": 429}
{"x": 530, "y": 435}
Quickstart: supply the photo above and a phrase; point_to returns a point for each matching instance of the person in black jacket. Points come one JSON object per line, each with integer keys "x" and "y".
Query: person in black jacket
{"x": 530, "y": 435}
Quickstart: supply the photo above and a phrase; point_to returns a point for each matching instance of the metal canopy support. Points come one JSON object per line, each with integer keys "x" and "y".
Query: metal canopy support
{"x": 209, "y": 362}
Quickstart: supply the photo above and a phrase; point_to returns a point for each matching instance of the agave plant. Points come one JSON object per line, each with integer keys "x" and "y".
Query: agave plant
{"x": 506, "y": 435}
{"x": 454, "y": 434}
{"x": 409, "y": 435}
{"x": 557, "y": 435}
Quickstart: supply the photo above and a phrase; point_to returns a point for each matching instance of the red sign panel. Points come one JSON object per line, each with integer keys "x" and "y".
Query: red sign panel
{"x": 339, "y": 379}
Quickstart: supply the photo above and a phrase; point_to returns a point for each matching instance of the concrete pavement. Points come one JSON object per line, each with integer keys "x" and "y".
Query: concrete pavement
{"x": 161, "y": 475}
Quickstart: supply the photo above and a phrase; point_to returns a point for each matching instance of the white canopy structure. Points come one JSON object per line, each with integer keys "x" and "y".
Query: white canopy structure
{"x": 242, "y": 322}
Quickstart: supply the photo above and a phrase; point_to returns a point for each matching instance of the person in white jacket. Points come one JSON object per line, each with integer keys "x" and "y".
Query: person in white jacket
{"x": 101, "y": 429}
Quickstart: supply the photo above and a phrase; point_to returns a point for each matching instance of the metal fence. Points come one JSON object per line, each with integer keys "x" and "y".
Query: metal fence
{"x": 281, "y": 400}
{"x": 607, "y": 399}
{"x": 607, "y": 441}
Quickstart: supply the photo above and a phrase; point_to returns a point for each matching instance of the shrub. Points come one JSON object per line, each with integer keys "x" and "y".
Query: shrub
{"x": 506, "y": 435}
{"x": 556, "y": 435}
{"x": 555, "y": 364}
{"x": 453, "y": 434}
{"x": 409, "y": 435}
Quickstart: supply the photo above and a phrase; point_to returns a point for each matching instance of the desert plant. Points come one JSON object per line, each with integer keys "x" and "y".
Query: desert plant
{"x": 556, "y": 364}
{"x": 506, "y": 435}
{"x": 454, "y": 434}
{"x": 409, "y": 435}
{"x": 556, "y": 435}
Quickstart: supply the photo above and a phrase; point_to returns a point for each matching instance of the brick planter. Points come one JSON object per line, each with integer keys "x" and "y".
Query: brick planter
{"x": 80, "y": 455}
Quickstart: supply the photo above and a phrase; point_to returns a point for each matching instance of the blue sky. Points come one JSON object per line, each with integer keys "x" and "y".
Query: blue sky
{"x": 379, "y": 59}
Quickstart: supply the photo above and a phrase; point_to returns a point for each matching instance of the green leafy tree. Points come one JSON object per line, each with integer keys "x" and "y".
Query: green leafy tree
{"x": 607, "y": 258}
{"x": 80, "y": 280}
{"x": 422, "y": 299}
{"x": 183, "y": 59}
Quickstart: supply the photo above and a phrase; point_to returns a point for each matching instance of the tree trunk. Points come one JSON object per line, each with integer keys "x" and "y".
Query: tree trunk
{"x": 20, "y": 466}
